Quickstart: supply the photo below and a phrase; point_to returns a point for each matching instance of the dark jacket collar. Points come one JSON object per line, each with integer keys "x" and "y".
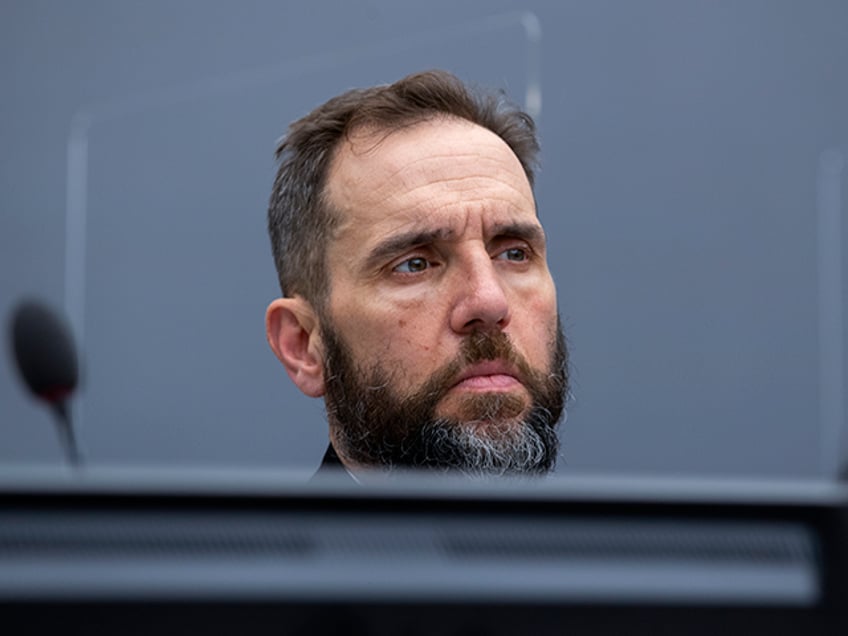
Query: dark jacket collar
{"x": 331, "y": 465}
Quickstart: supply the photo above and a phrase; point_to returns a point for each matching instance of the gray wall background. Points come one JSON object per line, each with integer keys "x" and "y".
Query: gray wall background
{"x": 692, "y": 187}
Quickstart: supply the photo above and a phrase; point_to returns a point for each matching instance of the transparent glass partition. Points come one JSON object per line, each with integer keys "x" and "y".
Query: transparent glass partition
{"x": 169, "y": 264}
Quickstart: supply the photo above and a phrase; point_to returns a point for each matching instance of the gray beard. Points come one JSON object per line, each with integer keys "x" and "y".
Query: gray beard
{"x": 374, "y": 426}
{"x": 527, "y": 449}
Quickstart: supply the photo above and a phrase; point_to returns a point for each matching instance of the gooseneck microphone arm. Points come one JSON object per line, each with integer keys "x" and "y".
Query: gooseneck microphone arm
{"x": 66, "y": 432}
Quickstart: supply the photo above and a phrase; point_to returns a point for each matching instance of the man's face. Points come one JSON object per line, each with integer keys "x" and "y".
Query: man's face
{"x": 441, "y": 304}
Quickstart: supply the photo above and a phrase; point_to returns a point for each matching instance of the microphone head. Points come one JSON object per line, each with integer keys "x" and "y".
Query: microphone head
{"x": 44, "y": 351}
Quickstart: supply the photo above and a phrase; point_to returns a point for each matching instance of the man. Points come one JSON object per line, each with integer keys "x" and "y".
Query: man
{"x": 416, "y": 293}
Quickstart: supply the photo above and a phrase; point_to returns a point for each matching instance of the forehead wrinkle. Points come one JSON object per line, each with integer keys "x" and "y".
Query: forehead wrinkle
{"x": 462, "y": 193}
{"x": 445, "y": 168}
{"x": 399, "y": 174}
{"x": 413, "y": 210}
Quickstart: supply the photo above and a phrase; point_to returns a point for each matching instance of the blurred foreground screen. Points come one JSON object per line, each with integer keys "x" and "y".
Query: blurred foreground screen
{"x": 115, "y": 551}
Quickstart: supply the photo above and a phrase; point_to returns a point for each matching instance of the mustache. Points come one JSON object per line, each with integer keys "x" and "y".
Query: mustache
{"x": 488, "y": 345}
{"x": 479, "y": 346}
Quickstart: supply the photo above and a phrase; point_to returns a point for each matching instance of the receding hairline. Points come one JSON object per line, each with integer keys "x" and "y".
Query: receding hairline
{"x": 367, "y": 138}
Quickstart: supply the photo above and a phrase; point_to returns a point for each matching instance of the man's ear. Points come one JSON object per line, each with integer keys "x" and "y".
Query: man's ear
{"x": 291, "y": 326}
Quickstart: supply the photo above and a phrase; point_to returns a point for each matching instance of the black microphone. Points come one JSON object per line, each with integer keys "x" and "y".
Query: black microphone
{"x": 47, "y": 362}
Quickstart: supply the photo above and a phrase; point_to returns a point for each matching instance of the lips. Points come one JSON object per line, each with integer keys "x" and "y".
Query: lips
{"x": 491, "y": 375}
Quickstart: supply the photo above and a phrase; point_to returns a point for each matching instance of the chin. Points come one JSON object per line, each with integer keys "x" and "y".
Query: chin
{"x": 497, "y": 408}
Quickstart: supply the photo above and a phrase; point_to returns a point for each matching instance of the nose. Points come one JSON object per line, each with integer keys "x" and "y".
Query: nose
{"x": 480, "y": 301}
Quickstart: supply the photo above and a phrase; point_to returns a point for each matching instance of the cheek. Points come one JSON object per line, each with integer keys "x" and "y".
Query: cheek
{"x": 394, "y": 333}
{"x": 413, "y": 332}
{"x": 536, "y": 317}
{"x": 416, "y": 319}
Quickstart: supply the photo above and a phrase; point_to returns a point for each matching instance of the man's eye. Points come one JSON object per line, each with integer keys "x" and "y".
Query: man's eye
{"x": 412, "y": 265}
{"x": 514, "y": 254}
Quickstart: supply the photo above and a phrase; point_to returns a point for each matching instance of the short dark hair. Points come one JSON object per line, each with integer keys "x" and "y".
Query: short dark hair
{"x": 300, "y": 220}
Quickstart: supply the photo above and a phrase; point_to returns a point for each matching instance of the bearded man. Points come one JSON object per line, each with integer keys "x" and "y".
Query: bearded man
{"x": 417, "y": 298}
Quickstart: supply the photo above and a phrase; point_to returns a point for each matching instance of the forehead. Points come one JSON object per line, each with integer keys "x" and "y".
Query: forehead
{"x": 438, "y": 171}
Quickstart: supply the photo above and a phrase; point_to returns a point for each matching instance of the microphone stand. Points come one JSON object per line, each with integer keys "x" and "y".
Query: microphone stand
{"x": 66, "y": 432}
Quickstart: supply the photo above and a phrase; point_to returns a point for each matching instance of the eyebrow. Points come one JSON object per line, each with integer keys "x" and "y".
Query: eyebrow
{"x": 406, "y": 241}
{"x": 530, "y": 232}
{"x": 401, "y": 243}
